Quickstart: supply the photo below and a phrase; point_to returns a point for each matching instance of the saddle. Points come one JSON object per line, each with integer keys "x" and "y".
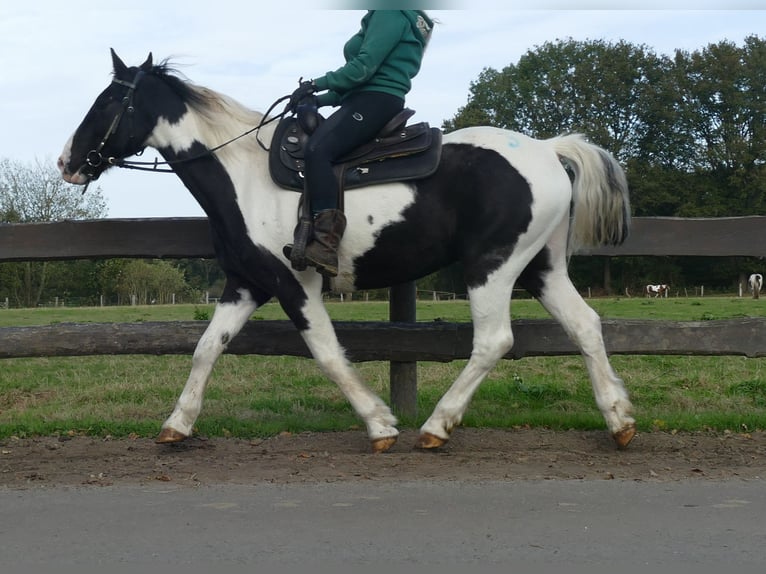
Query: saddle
{"x": 398, "y": 153}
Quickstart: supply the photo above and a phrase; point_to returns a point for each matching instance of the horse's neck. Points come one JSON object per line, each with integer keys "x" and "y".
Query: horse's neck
{"x": 179, "y": 138}
{"x": 239, "y": 179}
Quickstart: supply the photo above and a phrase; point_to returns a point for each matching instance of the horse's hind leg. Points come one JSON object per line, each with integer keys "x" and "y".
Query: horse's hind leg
{"x": 228, "y": 319}
{"x": 583, "y": 326}
{"x": 492, "y": 338}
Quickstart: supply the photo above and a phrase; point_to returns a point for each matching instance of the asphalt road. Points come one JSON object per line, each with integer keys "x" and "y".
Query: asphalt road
{"x": 450, "y": 524}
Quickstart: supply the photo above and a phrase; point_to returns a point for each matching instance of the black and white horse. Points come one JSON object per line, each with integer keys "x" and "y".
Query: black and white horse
{"x": 501, "y": 203}
{"x": 755, "y": 282}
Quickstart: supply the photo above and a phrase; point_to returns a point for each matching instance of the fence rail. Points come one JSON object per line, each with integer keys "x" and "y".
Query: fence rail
{"x": 380, "y": 341}
{"x": 402, "y": 341}
{"x": 190, "y": 237}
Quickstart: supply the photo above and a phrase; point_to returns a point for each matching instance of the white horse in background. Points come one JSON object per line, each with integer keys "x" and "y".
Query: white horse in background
{"x": 755, "y": 282}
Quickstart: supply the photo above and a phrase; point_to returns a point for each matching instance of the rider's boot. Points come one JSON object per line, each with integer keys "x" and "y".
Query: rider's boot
{"x": 322, "y": 252}
{"x": 321, "y": 249}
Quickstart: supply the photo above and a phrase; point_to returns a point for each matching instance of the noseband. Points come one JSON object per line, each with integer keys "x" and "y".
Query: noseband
{"x": 94, "y": 159}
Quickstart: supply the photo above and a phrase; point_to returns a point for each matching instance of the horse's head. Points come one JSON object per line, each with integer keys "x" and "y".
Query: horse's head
{"x": 113, "y": 128}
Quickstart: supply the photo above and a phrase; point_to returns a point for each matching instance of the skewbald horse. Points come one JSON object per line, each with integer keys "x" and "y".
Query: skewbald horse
{"x": 657, "y": 290}
{"x": 500, "y": 202}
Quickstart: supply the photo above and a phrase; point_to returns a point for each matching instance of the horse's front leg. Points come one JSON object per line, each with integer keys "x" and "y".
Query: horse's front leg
{"x": 323, "y": 343}
{"x": 228, "y": 319}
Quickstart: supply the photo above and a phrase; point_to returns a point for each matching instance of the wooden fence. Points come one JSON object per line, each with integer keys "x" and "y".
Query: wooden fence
{"x": 401, "y": 341}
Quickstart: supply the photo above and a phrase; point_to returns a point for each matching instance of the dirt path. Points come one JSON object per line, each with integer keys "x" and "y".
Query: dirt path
{"x": 472, "y": 454}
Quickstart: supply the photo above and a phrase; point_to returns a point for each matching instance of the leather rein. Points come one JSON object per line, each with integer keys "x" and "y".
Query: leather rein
{"x": 95, "y": 159}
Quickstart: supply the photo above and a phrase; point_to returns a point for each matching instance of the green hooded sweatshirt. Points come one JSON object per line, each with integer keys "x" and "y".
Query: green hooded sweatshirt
{"x": 383, "y": 56}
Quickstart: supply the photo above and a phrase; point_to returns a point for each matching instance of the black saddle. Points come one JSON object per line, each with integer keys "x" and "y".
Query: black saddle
{"x": 398, "y": 153}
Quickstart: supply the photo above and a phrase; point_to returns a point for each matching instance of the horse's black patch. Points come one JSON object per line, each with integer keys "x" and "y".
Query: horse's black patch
{"x": 246, "y": 265}
{"x": 171, "y": 109}
{"x": 533, "y": 277}
{"x": 472, "y": 210}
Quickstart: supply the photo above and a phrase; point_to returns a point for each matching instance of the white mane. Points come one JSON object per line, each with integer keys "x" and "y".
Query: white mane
{"x": 215, "y": 119}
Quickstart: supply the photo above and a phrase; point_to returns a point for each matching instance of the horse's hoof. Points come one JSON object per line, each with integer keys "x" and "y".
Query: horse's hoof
{"x": 169, "y": 435}
{"x": 427, "y": 440}
{"x": 623, "y": 437}
{"x": 383, "y": 444}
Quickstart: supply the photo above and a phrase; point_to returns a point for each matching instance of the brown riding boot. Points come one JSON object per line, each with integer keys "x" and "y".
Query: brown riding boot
{"x": 322, "y": 251}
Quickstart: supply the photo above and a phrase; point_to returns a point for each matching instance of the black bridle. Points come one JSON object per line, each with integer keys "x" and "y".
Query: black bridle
{"x": 94, "y": 159}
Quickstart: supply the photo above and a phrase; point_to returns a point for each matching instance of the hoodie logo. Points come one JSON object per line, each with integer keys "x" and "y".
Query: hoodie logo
{"x": 423, "y": 28}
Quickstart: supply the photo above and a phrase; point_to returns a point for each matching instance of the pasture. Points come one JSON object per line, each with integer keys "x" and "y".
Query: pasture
{"x": 252, "y": 396}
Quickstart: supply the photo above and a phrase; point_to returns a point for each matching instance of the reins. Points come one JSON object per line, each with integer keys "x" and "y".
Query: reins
{"x": 155, "y": 165}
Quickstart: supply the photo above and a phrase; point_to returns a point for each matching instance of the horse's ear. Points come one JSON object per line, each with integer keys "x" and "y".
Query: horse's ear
{"x": 147, "y": 65}
{"x": 120, "y": 69}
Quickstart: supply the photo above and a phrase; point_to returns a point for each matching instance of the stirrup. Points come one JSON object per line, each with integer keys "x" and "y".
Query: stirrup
{"x": 296, "y": 252}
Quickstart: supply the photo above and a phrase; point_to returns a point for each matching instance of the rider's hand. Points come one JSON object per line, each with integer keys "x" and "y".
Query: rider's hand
{"x": 304, "y": 90}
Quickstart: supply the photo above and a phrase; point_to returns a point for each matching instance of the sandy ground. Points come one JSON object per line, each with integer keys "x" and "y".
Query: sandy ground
{"x": 471, "y": 455}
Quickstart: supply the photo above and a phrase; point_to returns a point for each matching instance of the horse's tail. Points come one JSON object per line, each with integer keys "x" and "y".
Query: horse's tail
{"x": 600, "y": 202}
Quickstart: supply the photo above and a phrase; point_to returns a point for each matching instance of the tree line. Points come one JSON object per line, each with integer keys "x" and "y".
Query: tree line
{"x": 689, "y": 128}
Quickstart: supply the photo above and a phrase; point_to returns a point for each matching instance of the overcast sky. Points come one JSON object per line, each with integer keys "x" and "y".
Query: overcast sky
{"x": 54, "y": 58}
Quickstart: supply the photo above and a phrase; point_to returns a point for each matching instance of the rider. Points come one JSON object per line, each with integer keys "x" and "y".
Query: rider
{"x": 381, "y": 60}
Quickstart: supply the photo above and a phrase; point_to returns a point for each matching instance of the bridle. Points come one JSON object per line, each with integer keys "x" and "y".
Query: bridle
{"x": 94, "y": 159}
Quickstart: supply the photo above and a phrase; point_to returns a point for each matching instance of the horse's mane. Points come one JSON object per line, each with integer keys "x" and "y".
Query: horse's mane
{"x": 222, "y": 116}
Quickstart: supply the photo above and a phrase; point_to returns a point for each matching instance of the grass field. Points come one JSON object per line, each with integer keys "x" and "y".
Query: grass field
{"x": 260, "y": 396}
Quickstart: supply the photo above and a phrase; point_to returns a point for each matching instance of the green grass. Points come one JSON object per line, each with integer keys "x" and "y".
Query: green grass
{"x": 260, "y": 396}
{"x": 674, "y": 309}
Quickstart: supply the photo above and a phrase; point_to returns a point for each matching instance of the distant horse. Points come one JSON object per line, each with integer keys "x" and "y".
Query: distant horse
{"x": 756, "y": 284}
{"x": 657, "y": 290}
{"x": 500, "y": 203}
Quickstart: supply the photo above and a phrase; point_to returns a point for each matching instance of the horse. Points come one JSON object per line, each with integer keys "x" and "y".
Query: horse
{"x": 501, "y": 203}
{"x": 756, "y": 284}
{"x": 657, "y": 290}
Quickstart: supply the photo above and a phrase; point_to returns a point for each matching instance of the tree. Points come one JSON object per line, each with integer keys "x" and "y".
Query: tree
{"x": 34, "y": 193}
{"x": 150, "y": 282}
{"x": 723, "y": 94}
{"x": 599, "y": 88}
{"x": 690, "y": 130}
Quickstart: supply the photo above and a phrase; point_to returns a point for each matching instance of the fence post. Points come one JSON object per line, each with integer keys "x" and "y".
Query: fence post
{"x": 403, "y": 376}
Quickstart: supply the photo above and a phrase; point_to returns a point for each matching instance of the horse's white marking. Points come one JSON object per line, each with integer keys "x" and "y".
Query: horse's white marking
{"x": 227, "y": 320}
{"x": 63, "y": 160}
